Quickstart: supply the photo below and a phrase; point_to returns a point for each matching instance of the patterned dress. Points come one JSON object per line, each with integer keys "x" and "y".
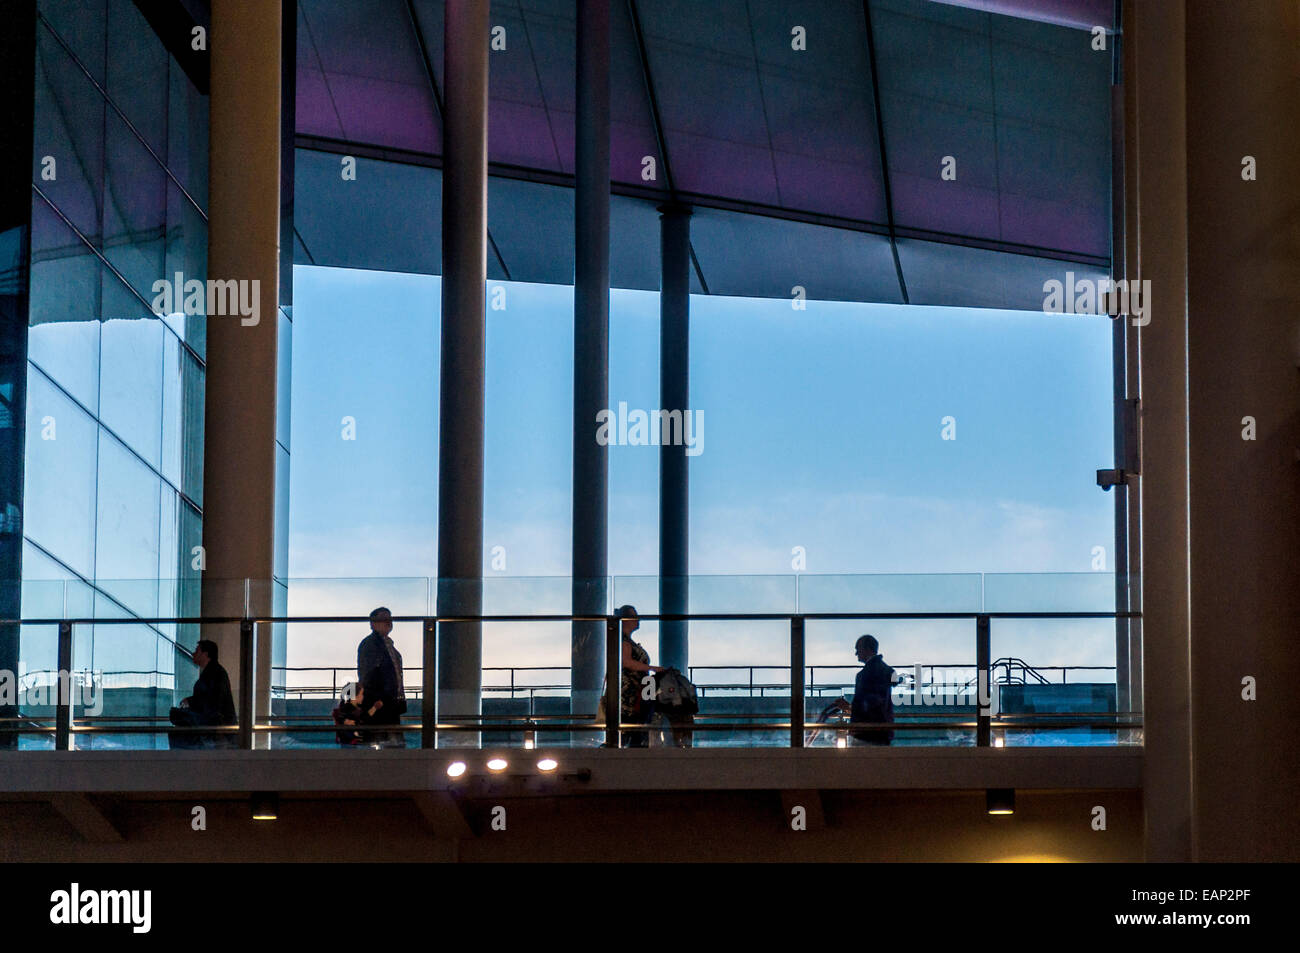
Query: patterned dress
{"x": 634, "y": 706}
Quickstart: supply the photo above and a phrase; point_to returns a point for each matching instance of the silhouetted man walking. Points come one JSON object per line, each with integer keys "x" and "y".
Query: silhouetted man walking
{"x": 872, "y": 701}
{"x": 379, "y": 669}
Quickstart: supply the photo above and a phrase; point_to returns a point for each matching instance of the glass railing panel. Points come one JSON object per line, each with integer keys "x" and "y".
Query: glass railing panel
{"x": 741, "y": 672}
{"x": 527, "y": 675}
{"x": 1049, "y": 675}
{"x": 529, "y": 595}
{"x": 123, "y": 659}
{"x": 890, "y": 592}
{"x": 37, "y": 671}
{"x": 320, "y": 658}
{"x": 934, "y": 690}
{"x": 1049, "y": 592}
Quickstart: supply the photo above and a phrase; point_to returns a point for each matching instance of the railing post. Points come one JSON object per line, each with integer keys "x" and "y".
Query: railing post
{"x": 429, "y": 701}
{"x": 63, "y": 688}
{"x": 613, "y": 681}
{"x": 796, "y": 681}
{"x": 983, "y": 683}
{"x": 247, "y": 687}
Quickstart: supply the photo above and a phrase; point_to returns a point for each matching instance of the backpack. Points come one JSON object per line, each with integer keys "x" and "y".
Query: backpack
{"x": 675, "y": 694}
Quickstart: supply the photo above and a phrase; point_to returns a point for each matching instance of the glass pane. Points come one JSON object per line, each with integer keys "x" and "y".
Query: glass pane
{"x": 187, "y": 134}
{"x": 131, "y": 386}
{"x": 128, "y": 507}
{"x": 182, "y": 418}
{"x": 137, "y": 73}
{"x": 135, "y": 208}
{"x": 64, "y": 316}
{"x": 69, "y": 129}
{"x": 59, "y": 497}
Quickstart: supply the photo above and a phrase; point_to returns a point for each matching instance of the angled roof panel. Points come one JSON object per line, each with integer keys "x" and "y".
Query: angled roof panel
{"x": 388, "y": 219}
{"x": 701, "y": 60}
{"x": 374, "y": 77}
{"x": 1021, "y": 107}
{"x": 758, "y": 256}
{"x": 964, "y": 277}
{"x": 532, "y": 225}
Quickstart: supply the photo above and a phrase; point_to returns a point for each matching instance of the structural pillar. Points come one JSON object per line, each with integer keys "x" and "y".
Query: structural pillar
{"x": 239, "y": 485}
{"x": 1243, "y": 303}
{"x": 1155, "y": 171}
{"x": 674, "y": 398}
{"x": 590, "y": 354}
{"x": 464, "y": 282}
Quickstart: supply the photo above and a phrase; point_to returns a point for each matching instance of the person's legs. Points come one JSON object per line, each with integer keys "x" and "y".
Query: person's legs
{"x": 638, "y": 737}
{"x": 683, "y": 735}
{"x": 379, "y": 733}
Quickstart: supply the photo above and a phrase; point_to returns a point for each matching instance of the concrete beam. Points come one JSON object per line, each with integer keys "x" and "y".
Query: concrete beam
{"x": 83, "y": 814}
{"x": 650, "y": 769}
{"x": 444, "y": 814}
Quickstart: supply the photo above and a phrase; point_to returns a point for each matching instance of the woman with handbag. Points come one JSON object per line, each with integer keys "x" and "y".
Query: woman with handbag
{"x": 636, "y": 708}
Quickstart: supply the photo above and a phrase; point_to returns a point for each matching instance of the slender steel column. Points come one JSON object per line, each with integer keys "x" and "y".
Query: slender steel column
{"x": 464, "y": 279}
{"x": 983, "y": 682}
{"x": 797, "y": 656}
{"x": 1119, "y": 369}
{"x": 674, "y": 398}
{"x": 590, "y": 353}
{"x": 63, "y": 686}
{"x": 239, "y": 454}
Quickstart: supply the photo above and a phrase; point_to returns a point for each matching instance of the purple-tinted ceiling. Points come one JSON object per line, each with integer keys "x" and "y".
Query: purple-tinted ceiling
{"x": 1011, "y": 91}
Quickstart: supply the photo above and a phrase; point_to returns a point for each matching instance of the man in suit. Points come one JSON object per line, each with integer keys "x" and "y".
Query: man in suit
{"x": 872, "y": 701}
{"x": 211, "y": 704}
{"x": 379, "y": 670}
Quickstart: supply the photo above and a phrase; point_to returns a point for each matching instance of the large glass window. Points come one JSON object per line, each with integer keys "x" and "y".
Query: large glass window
{"x": 113, "y": 463}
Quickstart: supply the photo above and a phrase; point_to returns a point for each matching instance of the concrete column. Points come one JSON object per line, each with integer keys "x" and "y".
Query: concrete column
{"x": 590, "y": 354}
{"x": 1243, "y": 299}
{"x": 1156, "y": 193}
{"x": 464, "y": 280}
{"x": 674, "y": 395}
{"x": 240, "y": 396}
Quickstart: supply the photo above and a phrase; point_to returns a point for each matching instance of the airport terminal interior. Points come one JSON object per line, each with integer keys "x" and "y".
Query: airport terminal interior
{"x": 541, "y": 429}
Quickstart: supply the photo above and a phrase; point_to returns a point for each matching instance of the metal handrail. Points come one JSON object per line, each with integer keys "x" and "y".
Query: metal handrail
{"x": 800, "y": 684}
{"x": 554, "y": 617}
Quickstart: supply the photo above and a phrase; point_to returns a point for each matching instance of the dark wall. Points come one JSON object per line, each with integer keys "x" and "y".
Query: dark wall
{"x": 17, "y": 80}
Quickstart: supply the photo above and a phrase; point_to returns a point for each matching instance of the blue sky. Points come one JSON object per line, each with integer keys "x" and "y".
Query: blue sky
{"x": 822, "y": 430}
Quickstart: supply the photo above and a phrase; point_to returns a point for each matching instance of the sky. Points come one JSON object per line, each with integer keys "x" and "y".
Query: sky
{"x": 823, "y": 433}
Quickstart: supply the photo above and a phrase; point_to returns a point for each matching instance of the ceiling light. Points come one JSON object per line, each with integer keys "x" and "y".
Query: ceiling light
{"x": 1000, "y": 800}
{"x": 265, "y": 805}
